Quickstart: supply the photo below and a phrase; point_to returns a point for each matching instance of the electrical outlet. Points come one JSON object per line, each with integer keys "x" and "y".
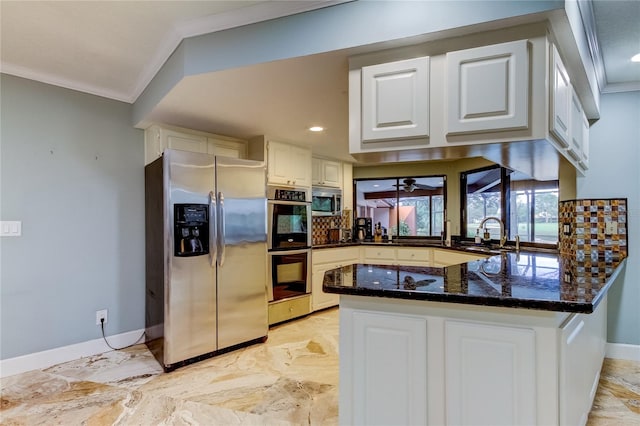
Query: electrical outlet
{"x": 100, "y": 315}
{"x": 610, "y": 228}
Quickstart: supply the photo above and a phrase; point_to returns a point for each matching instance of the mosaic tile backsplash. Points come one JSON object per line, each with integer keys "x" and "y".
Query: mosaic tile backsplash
{"x": 595, "y": 232}
{"x": 321, "y": 226}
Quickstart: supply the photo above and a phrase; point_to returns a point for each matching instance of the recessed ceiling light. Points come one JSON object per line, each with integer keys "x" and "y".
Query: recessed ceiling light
{"x": 316, "y": 128}
{"x": 375, "y": 185}
{"x": 635, "y": 58}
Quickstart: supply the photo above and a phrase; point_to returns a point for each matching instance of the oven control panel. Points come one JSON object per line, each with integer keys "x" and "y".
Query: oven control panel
{"x": 286, "y": 194}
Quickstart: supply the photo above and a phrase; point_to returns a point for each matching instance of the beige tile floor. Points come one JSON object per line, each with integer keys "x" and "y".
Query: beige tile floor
{"x": 290, "y": 379}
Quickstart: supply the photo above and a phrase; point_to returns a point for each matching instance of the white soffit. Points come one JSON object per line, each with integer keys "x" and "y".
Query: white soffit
{"x": 114, "y": 48}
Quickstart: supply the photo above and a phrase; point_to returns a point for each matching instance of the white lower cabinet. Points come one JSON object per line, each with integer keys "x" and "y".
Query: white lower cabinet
{"x": 490, "y": 372}
{"x": 391, "y": 353}
{"x": 582, "y": 344}
{"x": 325, "y": 260}
{"x": 430, "y": 363}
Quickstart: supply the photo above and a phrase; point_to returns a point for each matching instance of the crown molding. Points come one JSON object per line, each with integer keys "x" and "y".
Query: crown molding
{"x": 28, "y": 73}
{"x": 621, "y": 87}
{"x": 589, "y": 22}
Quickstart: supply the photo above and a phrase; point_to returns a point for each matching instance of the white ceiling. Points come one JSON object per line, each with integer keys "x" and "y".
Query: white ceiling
{"x": 114, "y": 48}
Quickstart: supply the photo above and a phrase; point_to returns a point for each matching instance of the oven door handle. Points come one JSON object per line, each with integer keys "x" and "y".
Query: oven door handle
{"x": 283, "y": 252}
{"x": 289, "y": 203}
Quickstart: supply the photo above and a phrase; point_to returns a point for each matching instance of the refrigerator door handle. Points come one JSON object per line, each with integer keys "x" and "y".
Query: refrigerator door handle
{"x": 221, "y": 236}
{"x": 213, "y": 232}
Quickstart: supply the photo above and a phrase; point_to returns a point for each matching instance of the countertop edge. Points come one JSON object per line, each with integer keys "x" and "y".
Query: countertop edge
{"x": 464, "y": 299}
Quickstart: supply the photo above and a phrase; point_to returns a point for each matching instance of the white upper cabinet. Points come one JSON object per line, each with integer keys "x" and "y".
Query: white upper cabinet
{"x": 478, "y": 95}
{"x": 584, "y": 158}
{"x": 226, "y": 147}
{"x": 288, "y": 165}
{"x": 568, "y": 123}
{"x": 326, "y": 173}
{"x": 579, "y": 146}
{"x": 488, "y": 88}
{"x": 560, "y": 100}
{"x": 185, "y": 141}
{"x": 577, "y": 123}
{"x": 395, "y": 100}
{"x": 158, "y": 138}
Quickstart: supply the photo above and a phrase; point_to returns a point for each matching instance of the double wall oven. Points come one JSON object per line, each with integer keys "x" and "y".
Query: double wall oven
{"x": 289, "y": 252}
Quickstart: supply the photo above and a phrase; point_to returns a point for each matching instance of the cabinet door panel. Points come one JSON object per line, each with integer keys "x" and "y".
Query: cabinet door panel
{"x": 489, "y": 88}
{"x": 326, "y": 173}
{"x": 278, "y": 163}
{"x": 227, "y": 148}
{"x": 320, "y": 299}
{"x": 560, "y": 99}
{"x": 490, "y": 374}
{"x": 395, "y": 100}
{"x": 575, "y": 147}
{"x": 584, "y": 157}
{"x": 301, "y": 166}
{"x": 332, "y": 173}
{"x": 186, "y": 142}
{"x": 316, "y": 171}
{"x": 391, "y": 369}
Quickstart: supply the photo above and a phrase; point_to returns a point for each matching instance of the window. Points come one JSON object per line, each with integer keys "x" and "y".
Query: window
{"x": 534, "y": 210}
{"x": 405, "y": 206}
{"x": 482, "y": 198}
{"x": 527, "y": 207}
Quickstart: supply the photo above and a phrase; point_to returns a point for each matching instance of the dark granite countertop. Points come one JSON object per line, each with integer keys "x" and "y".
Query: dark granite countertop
{"x": 527, "y": 280}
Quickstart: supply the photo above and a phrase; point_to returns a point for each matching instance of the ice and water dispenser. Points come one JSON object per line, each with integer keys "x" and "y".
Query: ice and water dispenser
{"x": 191, "y": 229}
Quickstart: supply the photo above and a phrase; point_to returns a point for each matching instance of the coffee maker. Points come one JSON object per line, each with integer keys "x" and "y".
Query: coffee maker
{"x": 362, "y": 230}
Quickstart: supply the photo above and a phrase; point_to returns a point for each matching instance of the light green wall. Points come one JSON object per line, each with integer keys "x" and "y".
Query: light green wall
{"x": 450, "y": 169}
{"x": 71, "y": 171}
{"x": 614, "y": 156}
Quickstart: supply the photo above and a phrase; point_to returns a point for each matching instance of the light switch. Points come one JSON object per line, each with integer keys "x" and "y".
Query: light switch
{"x": 610, "y": 228}
{"x": 10, "y": 228}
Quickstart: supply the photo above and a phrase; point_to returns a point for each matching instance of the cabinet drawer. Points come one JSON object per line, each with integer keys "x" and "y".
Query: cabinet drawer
{"x": 340, "y": 255}
{"x": 379, "y": 253}
{"x": 288, "y": 309}
{"x": 422, "y": 255}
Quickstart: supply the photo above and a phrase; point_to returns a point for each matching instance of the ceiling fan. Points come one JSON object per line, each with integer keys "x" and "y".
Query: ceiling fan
{"x": 409, "y": 185}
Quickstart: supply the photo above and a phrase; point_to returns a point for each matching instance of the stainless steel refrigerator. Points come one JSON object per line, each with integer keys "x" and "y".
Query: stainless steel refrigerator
{"x": 206, "y": 287}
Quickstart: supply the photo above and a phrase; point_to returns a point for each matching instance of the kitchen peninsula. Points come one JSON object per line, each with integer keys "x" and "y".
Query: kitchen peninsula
{"x": 509, "y": 338}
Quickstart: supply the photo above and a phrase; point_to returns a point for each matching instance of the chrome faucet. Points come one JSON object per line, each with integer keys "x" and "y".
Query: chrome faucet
{"x": 503, "y": 237}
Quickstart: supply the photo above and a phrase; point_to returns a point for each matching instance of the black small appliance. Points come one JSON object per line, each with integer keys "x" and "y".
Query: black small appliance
{"x": 362, "y": 230}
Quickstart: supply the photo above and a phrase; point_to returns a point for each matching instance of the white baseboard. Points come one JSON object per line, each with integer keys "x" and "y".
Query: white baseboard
{"x": 623, "y": 351}
{"x": 48, "y": 358}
